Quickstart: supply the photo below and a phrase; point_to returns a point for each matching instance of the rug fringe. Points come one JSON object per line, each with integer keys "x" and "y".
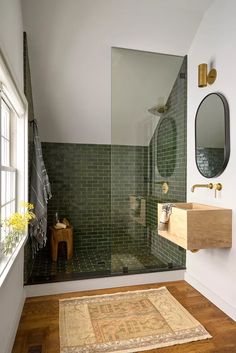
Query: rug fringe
{"x": 162, "y": 345}
{"x": 111, "y": 294}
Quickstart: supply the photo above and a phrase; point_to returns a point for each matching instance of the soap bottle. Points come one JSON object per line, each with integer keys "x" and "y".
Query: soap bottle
{"x": 56, "y": 218}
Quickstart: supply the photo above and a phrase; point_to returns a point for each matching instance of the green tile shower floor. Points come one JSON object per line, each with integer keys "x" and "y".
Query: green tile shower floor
{"x": 91, "y": 264}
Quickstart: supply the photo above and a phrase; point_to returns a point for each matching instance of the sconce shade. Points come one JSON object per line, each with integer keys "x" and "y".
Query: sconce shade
{"x": 202, "y": 75}
{"x": 211, "y": 77}
{"x": 204, "y": 78}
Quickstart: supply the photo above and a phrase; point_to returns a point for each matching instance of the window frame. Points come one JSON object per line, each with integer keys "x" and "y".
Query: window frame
{"x": 11, "y": 161}
{"x": 17, "y": 103}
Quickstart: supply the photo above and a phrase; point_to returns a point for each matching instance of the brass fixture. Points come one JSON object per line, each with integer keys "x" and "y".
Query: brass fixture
{"x": 205, "y": 78}
{"x": 194, "y": 250}
{"x": 217, "y": 187}
{"x": 158, "y": 110}
{"x": 165, "y": 188}
{"x": 208, "y": 186}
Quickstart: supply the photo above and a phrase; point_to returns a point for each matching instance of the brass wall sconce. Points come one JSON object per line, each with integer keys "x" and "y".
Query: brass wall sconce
{"x": 205, "y": 78}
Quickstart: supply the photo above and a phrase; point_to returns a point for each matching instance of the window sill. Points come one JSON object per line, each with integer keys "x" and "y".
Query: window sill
{"x": 7, "y": 261}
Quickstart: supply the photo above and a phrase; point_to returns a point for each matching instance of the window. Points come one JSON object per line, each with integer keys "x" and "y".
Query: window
{"x": 8, "y": 171}
{"x": 13, "y": 157}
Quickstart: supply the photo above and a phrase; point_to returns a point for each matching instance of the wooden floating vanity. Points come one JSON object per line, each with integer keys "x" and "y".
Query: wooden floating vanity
{"x": 195, "y": 226}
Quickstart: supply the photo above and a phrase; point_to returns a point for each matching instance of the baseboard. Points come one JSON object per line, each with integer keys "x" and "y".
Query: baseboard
{"x": 102, "y": 283}
{"x": 15, "y": 325}
{"x": 213, "y": 297}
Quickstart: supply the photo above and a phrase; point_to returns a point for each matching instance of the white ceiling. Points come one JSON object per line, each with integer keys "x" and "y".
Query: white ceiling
{"x": 70, "y": 55}
{"x": 189, "y": 5}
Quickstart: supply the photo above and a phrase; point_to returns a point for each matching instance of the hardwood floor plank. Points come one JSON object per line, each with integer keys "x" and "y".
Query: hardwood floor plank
{"x": 39, "y": 324}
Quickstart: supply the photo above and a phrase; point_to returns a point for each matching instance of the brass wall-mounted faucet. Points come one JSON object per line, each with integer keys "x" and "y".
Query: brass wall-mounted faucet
{"x": 208, "y": 186}
{"x": 216, "y": 187}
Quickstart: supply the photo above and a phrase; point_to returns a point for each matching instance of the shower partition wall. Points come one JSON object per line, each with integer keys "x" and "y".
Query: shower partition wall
{"x": 110, "y": 193}
{"x": 148, "y": 148}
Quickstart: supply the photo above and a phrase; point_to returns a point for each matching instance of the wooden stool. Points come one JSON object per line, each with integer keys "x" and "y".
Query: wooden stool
{"x": 58, "y": 235}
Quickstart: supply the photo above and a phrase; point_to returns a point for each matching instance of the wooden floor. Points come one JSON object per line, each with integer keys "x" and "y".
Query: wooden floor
{"x": 38, "y": 331}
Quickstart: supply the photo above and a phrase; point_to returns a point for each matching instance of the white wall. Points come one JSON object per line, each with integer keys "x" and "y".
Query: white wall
{"x": 70, "y": 53}
{"x": 11, "y": 292}
{"x": 11, "y": 37}
{"x": 213, "y": 272}
{"x": 12, "y": 297}
{"x": 140, "y": 80}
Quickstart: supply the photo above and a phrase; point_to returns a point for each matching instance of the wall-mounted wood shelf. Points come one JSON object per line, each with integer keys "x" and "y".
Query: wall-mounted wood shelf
{"x": 195, "y": 226}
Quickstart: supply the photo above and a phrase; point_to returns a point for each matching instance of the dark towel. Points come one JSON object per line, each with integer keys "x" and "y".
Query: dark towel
{"x": 40, "y": 193}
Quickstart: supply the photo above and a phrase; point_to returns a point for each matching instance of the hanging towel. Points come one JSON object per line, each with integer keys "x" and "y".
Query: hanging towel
{"x": 165, "y": 216}
{"x": 40, "y": 193}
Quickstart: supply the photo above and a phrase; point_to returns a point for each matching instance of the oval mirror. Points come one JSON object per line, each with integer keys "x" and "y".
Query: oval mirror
{"x": 212, "y": 135}
{"x": 166, "y": 147}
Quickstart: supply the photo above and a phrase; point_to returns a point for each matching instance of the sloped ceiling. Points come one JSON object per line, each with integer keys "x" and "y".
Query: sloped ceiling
{"x": 140, "y": 80}
{"x": 70, "y": 55}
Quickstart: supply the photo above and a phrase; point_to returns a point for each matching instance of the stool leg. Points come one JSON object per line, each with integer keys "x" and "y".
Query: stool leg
{"x": 69, "y": 250}
{"x": 54, "y": 250}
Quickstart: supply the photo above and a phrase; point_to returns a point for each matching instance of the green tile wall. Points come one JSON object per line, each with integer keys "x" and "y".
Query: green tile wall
{"x": 91, "y": 185}
{"x": 80, "y": 176}
{"x": 128, "y": 177}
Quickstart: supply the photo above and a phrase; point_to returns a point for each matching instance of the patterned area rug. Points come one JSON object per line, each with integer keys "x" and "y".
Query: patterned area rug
{"x": 126, "y": 322}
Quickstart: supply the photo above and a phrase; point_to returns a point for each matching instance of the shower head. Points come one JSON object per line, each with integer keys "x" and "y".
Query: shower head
{"x": 158, "y": 109}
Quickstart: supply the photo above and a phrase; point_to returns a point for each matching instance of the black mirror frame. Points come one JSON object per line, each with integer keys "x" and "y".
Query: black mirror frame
{"x": 227, "y": 133}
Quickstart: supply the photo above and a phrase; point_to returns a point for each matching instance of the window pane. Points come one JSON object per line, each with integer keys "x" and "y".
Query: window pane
{"x": 3, "y": 188}
{"x": 5, "y": 121}
{"x": 3, "y": 228}
{"x": 6, "y": 212}
{"x": 5, "y": 152}
{"x": 8, "y": 185}
{"x": 12, "y": 177}
{"x": 5, "y": 134}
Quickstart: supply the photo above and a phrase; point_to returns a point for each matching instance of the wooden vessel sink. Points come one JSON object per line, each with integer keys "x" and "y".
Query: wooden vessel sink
{"x": 196, "y": 226}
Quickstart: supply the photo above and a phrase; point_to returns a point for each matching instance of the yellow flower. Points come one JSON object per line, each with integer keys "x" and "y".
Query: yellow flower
{"x": 17, "y": 221}
{"x": 27, "y": 205}
{"x": 17, "y": 224}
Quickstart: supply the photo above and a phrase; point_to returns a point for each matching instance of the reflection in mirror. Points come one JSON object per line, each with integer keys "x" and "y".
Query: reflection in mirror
{"x": 212, "y": 135}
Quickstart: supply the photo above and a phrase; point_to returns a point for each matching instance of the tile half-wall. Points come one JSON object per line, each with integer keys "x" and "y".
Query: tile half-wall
{"x": 91, "y": 185}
